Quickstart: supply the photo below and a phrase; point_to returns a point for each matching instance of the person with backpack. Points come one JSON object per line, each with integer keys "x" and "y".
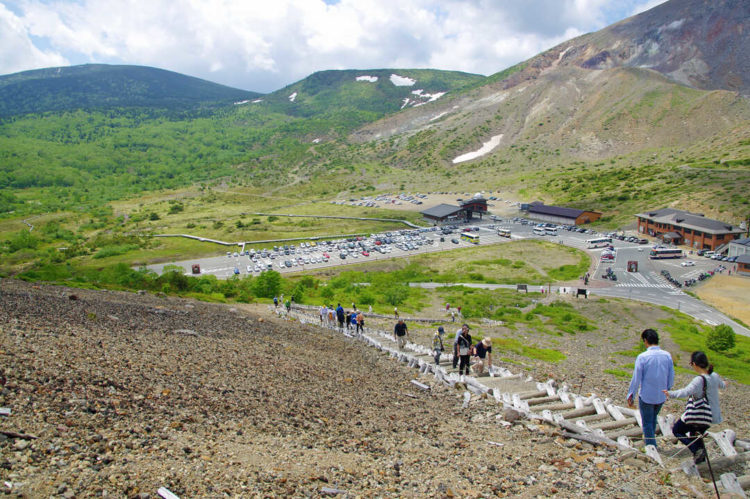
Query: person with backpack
{"x": 360, "y": 322}
{"x": 703, "y": 408}
{"x": 288, "y": 306}
{"x": 340, "y": 316}
{"x": 437, "y": 344}
{"x": 353, "y": 320}
{"x": 455, "y": 345}
{"x": 276, "y": 302}
{"x": 463, "y": 346}
{"x": 400, "y": 331}
{"x": 348, "y": 318}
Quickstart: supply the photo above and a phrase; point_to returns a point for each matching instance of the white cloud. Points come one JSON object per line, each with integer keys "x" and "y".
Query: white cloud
{"x": 265, "y": 44}
{"x": 17, "y": 51}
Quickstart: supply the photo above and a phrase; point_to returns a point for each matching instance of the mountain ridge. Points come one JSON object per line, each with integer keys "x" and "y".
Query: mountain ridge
{"x": 104, "y": 86}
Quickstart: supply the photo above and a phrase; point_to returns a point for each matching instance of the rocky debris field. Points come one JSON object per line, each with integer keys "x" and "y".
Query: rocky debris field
{"x": 127, "y": 393}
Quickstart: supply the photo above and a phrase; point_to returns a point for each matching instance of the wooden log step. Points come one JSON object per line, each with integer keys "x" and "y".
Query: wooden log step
{"x": 577, "y": 413}
{"x": 613, "y": 425}
{"x": 542, "y": 400}
{"x": 595, "y": 417}
{"x": 533, "y": 395}
{"x": 555, "y": 407}
{"x": 629, "y": 432}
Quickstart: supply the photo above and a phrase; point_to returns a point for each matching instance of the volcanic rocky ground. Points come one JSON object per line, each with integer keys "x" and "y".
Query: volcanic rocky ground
{"x": 128, "y": 393}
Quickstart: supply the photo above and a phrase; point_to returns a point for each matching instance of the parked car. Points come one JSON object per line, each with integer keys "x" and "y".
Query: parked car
{"x": 454, "y": 240}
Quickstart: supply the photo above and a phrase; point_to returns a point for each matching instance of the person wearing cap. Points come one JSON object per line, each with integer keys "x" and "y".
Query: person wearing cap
{"x": 437, "y": 344}
{"x": 464, "y": 350}
{"x": 483, "y": 356}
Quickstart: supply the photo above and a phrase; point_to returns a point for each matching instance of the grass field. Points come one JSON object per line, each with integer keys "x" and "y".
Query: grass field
{"x": 533, "y": 262}
{"x": 730, "y": 294}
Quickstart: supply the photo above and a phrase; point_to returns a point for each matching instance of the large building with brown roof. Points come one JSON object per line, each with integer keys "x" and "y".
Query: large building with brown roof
{"x": 691, "y": 229}
{"x": 560, "y": 214}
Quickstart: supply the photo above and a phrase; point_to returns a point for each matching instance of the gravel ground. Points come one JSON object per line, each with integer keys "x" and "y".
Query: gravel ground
{"x": 128, "y": 393}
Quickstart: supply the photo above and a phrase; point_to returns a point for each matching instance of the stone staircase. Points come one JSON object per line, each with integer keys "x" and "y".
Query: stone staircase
{"x": 589, "y": 419}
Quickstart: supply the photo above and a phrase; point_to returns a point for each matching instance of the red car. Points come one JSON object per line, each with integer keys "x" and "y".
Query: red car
{"x": 365, "y": 253}
{"x": 325, "y": 255}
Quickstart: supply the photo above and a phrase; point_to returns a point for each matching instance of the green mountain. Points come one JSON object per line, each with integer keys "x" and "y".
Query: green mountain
{"x": 89, "y": 155}
{"x": 643, "y": 113}
{"x": 100, "y": 86}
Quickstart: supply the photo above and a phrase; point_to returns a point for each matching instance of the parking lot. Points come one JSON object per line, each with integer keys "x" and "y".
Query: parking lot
{"x": 395, "y": 244}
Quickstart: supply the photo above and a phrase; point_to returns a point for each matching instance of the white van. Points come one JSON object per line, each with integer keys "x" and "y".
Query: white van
{"x": 539, "y": 231}
{"x": 551, "y": 231}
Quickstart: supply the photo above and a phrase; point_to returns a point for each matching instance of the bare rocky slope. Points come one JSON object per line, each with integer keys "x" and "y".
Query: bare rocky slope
{"x": 128, "y": 393}
{"x": 667, "y": 78}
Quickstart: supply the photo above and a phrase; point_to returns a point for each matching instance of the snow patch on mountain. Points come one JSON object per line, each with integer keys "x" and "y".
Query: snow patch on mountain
{"x": 371, "y": 79}
{"x": 486, "y": 148}
{"x": 292, "y": 97}
{"x": 402, "y": 81}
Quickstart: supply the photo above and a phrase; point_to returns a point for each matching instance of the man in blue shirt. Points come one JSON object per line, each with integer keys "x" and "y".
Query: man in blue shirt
{"x": 653, "y": 372}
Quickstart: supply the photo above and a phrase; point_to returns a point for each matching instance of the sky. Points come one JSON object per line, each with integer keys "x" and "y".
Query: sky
{"x": 264, "y": 45}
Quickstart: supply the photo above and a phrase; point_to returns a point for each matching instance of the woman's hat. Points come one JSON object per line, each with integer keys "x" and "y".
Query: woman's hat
{"x": 487, "y": 342}
{"x": 441, "y": 330}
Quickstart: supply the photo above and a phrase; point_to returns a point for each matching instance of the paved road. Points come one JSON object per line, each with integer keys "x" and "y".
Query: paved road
{"x": 648, "y": 284}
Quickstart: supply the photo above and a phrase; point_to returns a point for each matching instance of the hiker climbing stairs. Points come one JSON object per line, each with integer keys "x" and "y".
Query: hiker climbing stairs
{"x": 589, "y": 419}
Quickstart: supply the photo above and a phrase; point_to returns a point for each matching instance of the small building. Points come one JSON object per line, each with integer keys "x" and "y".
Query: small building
{"x": 739, "y": 247}
{"x": 477, "y": 204}
{"x": 560, "y": 214}
{"x": 743, "y": 265}
{"x": 692, "y": 229}
{"x": 443, "y": 213}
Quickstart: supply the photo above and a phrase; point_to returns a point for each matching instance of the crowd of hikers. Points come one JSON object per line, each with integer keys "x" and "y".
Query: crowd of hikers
{"x": 651, "y": 384}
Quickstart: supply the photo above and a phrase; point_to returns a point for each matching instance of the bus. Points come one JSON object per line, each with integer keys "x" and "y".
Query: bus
{"x": 658, "y": 253}
{"x": 539, "y": 231}
{"x": 470, "y": 238}
{"x": 503, "y": 233}
{"x": 598, "y": 242}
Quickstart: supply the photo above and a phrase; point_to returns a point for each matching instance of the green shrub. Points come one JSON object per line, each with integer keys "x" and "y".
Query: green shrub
{"x": 721, "y": 338}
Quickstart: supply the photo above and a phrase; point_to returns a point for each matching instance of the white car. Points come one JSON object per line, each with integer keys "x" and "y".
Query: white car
{"x": 688, "y": 263}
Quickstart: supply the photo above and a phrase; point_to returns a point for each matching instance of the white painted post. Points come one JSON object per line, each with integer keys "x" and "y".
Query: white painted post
{"x": 725, "y": 440}
{"x": 599, "y": 405}
{"x": 664, "y": 426}
{"x": 731, "y": 484}
{"x": 624, "y": 441}
{"x": 654, "y": 454}
{"x": 467, "y": 398}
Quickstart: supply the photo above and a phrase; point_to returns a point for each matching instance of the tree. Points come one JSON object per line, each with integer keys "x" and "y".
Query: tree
{"x": 721, "y": 338}
{"x": 267, "y": 284}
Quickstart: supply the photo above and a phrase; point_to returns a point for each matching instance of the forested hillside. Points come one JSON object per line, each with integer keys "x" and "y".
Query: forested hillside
{"x": 119, "y": 146}
{"x": 103, "y": 87}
